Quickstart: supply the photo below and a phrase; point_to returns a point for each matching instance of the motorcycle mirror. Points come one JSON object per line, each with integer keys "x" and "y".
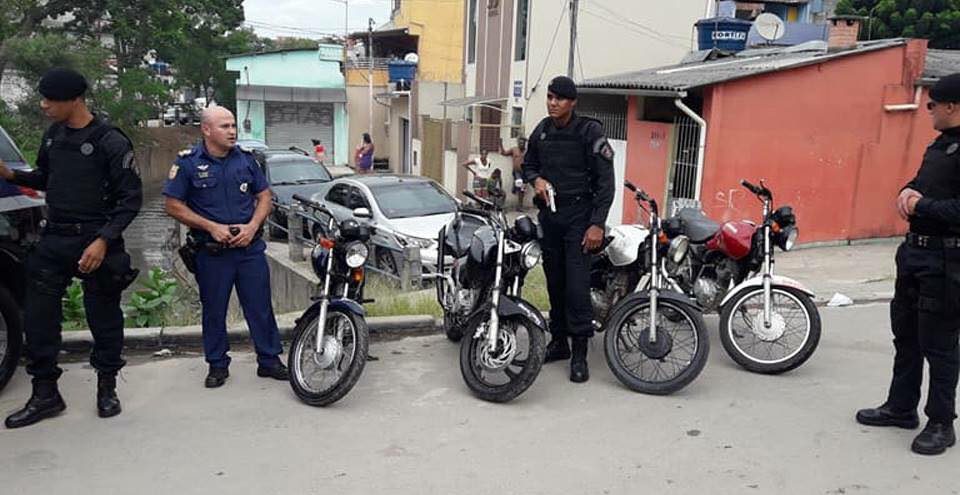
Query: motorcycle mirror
{"x": 362, "y": 213}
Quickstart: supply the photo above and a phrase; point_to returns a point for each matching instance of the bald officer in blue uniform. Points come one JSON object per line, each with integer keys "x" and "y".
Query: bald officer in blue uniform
{"x": 218, "y": 190}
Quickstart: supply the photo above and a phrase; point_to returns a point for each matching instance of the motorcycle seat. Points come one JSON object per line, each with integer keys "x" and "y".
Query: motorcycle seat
{"x": 696, "y": 225}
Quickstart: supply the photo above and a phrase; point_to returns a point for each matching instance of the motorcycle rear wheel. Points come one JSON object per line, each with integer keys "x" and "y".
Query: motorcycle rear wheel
{"x": 791, "y": 340}
{"x": 498, "y": 376}
{"x": 320, "y": 380}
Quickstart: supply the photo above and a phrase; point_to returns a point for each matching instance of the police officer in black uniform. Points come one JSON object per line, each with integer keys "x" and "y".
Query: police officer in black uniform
{"x": 925, "y": 312}
{"x": 87, "y": 168}
{"x": 570, "y": 155}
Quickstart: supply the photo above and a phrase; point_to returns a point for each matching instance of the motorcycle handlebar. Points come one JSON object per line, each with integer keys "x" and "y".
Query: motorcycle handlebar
{"x": 752, "y": 188}
{"x": 760, "y": 190}
{"x": 629, "y": 186}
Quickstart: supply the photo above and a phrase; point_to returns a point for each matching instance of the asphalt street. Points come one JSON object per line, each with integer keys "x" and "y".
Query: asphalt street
{"x": 411, "y": 426}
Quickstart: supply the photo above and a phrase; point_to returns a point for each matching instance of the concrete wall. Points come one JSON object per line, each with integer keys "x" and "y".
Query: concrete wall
{"x": 608, "y": 44}
{"x": 830, "y": 150}
{"x": 431, "y": 94}
{"x": 439, "y": 25}
{"x": 357, "y": 109}
{"x": 160, "y": 147}
{"x": 298, "y": 69}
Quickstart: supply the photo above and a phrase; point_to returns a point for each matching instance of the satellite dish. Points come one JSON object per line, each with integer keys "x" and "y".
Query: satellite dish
{"x": 413, "y": 58}
{"x": 770, "y": 27}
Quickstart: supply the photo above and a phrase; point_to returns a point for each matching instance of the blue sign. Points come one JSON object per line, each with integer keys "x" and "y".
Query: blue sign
{"x": 518, "y": 89}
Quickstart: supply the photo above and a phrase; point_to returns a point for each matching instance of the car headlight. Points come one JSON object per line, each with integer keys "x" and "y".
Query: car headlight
{"x": 530, "y": 255}
{"x": 788, "y": 237}
{"x": 355, "y": 254}
{"x": 678, "y": 248}
{"x": 405, "y": 241}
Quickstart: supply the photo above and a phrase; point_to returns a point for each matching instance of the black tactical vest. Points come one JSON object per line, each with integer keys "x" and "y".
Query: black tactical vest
{"x": 77, "y": 185}
{"x": 564, "y": 159}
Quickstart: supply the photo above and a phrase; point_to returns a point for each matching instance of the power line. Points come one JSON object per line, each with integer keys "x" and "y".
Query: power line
{"x": 620, "y": 17}
{"x": 629, "y": 28}
{"x": 546, "y": 60}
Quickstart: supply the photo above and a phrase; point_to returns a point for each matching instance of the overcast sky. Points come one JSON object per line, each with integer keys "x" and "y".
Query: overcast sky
{"x": 312, "y": 18}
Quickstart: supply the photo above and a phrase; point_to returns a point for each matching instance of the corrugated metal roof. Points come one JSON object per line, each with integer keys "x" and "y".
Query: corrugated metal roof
{"x": 941, "y": 63}
{"x": 683, "y": 77}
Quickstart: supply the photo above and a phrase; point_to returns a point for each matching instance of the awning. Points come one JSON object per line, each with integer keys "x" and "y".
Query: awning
{"x": 472, "y": 101}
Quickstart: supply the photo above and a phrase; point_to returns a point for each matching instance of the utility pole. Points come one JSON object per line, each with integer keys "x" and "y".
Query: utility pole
{"x": 574, "y": 7}
{"x": 370, "y": 58}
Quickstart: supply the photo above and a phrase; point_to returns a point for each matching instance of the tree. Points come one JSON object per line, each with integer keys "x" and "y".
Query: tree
{"x": 935, "y": 20}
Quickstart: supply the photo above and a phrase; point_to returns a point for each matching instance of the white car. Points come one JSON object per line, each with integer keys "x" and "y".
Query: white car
{"x": 407, "y": 211}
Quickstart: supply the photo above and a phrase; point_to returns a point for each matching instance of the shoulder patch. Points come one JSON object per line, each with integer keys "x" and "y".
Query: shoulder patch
{"x": 186, "y": 152}
{"x": 173, "y": 171}
{"x": 953, "y": 148}
{"x": 244, "y": 149}
{"x": 130, "y": 163}
{"x": 602, "y": 148}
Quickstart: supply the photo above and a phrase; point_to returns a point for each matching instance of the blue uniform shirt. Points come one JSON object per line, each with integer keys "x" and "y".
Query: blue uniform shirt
{"x": 221, "y": 190}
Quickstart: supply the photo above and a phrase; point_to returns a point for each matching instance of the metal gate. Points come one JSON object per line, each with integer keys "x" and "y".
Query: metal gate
{"x": 295, "y": 124}
{"x": 683, "y": 169}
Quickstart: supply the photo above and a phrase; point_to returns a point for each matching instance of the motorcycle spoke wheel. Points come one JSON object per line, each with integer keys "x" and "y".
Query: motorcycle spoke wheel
{"x": 671, "y": 323}
{"x": 340, "y": 335}
{"x": 789, "y": 331}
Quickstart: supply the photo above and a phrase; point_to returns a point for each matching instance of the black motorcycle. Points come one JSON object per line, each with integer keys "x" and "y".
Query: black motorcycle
{"x": 481, "y": 299}
{"x": 330, "y": 340}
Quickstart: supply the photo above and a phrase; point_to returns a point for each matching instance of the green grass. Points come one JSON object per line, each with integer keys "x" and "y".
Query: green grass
{"x": 391, "y": 302}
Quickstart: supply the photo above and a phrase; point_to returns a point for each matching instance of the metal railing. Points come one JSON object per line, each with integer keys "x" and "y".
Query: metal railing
{"x": 301, "y": 219}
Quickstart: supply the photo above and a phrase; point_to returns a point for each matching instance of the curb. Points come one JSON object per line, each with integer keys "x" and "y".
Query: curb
{"x": 158, "y": 338}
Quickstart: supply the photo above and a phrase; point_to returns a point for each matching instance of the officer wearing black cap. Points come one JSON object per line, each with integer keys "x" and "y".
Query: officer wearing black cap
{"x": 925, "y": 312}
{"x": 87, "y": 168}
{"x": 569, "y": 155}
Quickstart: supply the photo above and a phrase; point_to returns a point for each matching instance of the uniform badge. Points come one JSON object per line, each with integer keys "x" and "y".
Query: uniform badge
{"x": 543, "y": 135}
{"x": 86, "y": 149}
{"x": 173, "y": 171}
{"x": 203, "y": 166}
{"x": 243, "y": 187}
{"x": 130, "y": 163}
{"x": 49, "y": 142}
{"x": 202, "y": 174}
{"x": 953, "y": 148}
{"x": 185, "y": 152}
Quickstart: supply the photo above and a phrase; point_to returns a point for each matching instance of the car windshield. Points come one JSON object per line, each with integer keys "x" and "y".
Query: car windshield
{"x": 303, "y": 171}
{"x": 7, "y": 152}
{"x": 412, "y": 199}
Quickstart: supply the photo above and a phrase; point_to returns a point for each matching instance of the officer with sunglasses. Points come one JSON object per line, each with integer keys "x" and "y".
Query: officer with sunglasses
{"x": 925, "y": 312}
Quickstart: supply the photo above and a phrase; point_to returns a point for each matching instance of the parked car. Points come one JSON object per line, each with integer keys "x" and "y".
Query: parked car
{"x": 289, "y": 173}
{"x": 252, "y": 144}
{"x": 21, "y": 210}
{"x": 407, "y": 211}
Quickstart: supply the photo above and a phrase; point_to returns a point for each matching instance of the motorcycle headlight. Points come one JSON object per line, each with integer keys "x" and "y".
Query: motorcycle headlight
{"x": 678, "y": 248}
{"x": 530, "y": 255}
{"x": 356, "y": 254}
{"x": 788, "y": 238}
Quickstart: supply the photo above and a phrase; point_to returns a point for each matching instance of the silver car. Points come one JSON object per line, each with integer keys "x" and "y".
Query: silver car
{"x": 407, "y": 211}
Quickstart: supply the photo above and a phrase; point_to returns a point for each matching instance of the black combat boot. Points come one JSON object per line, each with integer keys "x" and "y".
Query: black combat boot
{"x": 45, "y": 402}
{"x": 108, "y": 404}
{"x": 579, "y": 372}
{"x": 557, "y": 350}
{"x": 934, "y": 439}
{"x": 887, "y": 416}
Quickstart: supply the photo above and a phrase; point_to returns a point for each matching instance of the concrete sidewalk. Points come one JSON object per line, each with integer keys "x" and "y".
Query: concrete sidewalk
{"x": 864, "y": 271}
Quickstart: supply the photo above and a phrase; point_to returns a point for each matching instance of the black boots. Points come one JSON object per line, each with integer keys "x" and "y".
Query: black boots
{"x": 579, "y": 372}
{"x": 216, "y": 377}
{"x": 557, "y": 350}
{"x": 44, "y": 403}
{"x": 108, "y": 404}
{"x": 885, "y": 416}
{"x": 934, "y": 439}
{"x": 278, "y": 372}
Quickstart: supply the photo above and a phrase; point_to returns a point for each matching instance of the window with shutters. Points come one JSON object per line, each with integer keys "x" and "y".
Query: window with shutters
{"x": 490, "y": 129}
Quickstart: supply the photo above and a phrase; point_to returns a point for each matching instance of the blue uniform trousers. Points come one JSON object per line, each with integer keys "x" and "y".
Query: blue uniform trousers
{"x": 247, "y": 270}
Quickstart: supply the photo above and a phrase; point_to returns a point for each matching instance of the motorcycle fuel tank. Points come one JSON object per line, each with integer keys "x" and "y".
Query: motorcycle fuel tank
{"x": 734, "y": 239}
{"x": 624, "y": 248}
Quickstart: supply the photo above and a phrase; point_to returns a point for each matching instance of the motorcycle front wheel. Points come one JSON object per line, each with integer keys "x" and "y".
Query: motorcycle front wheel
{"x": 320, "y": 379}
{"x": 502, "y": 373}
{"x": 790, "y": 339}
{"x": 664, "y": 366}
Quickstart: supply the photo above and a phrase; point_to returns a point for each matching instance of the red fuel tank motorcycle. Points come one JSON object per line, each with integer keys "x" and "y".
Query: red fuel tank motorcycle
{"x": 768, "y": 323}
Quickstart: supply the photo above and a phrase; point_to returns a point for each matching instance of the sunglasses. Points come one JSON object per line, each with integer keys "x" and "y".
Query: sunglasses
{"x": 933, "y": 104}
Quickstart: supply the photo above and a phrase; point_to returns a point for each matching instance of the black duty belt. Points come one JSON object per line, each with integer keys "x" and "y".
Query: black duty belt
{"x": 203, "y": 240}
{"x": 932, "y": 241}
{"x": 570, "y": 200}
{"x": 70, "y": 229}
